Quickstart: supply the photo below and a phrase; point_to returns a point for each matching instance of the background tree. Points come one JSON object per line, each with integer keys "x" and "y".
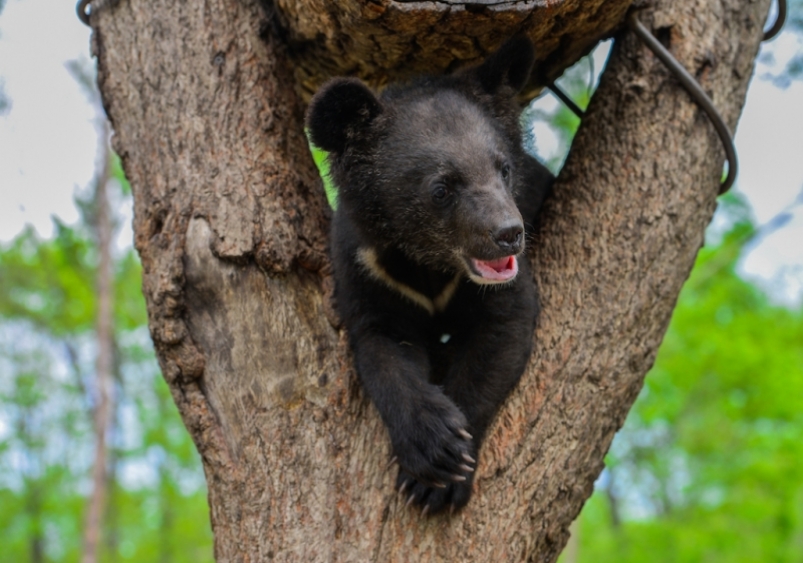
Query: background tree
{"x": 48, "y": 308}
{"x": 230, "y": 225}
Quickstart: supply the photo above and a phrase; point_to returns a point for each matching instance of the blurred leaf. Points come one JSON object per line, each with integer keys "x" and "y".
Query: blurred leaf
{"x": 49, "y": 283}
{"x": 321, "y": 160}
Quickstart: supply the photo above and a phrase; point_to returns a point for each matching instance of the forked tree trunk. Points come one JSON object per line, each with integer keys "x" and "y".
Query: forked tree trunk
{"x": 230, "y": 222}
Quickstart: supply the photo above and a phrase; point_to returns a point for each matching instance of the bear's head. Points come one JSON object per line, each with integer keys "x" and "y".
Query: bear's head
{"x": 432, "y": 168}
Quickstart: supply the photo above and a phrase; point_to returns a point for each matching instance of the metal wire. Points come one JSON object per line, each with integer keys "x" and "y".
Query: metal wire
{"x": 780, "y": 20}
{"x": 566, "y": 100}
{"x": 691, "y": 86}
{"x": 665, "y": 56}
{"x": 80, "y": 8}
{"x": 695, "y": 91}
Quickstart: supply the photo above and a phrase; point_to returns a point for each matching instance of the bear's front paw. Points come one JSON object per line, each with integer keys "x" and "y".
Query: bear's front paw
{"x": 434, "y": 450}
{"x": 435, "y": 446}
{"x": 432, "y": 500}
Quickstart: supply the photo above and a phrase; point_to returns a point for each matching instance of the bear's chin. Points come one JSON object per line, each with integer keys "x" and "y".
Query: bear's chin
{"x": 488, "y": 272}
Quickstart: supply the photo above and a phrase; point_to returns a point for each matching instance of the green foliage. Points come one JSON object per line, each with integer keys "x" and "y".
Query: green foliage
{"x": 118, "y": 175}
{"x": 157, "y": 508}
{"x": 49, "y": 283}
{"x": 708, "y": 466}
{"x": 322, "y": 163}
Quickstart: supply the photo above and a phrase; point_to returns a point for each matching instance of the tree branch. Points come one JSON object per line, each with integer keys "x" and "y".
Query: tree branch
{"x": 230, "y": 222}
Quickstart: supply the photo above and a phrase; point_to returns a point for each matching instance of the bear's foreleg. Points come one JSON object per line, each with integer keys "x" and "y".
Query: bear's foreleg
{"x": 427, "y": 431}
{"x": 489, "y": 362}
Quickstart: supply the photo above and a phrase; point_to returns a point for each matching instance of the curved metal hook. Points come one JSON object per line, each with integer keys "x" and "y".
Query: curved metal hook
{"x": 780, "y": 20}
{"x": 695, "y": 91}
{"x": 80, "y": 8}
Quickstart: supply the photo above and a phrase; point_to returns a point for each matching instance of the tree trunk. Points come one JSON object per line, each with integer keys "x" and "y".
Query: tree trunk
{"x": 103, "y": 415}
{"x": 230, "y": 222}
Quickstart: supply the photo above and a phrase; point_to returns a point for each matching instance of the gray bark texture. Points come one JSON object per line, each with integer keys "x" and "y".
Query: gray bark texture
{"x": 207, "y": 100}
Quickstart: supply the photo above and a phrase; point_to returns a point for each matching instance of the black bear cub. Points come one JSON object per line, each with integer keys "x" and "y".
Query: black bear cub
{"x": 435, "y": 195}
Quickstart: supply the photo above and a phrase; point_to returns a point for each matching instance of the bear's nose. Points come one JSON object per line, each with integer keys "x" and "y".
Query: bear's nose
{"x": 508, "y": 237}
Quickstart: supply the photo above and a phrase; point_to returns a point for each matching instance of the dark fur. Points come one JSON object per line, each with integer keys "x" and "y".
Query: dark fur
{"x": 392, "y": 158}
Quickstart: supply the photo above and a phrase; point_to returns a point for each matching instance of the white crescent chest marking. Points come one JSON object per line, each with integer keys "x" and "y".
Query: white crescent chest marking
{"x": 367, "y": 257}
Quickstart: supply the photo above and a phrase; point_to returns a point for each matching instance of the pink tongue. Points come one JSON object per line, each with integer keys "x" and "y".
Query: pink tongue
{"x": 500, "y": 265}
{"x": 502, "y": 269}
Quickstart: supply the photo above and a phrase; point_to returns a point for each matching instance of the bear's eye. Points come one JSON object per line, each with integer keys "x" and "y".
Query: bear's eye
{"x": 505, "y": 171}
{"x": 440, "y": 192}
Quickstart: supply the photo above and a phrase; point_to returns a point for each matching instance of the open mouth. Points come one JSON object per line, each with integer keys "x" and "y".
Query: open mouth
{"x": 495, "y": 271}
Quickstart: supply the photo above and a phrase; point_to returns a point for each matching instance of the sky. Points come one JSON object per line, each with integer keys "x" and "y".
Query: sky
{"x": 49, "y": 143}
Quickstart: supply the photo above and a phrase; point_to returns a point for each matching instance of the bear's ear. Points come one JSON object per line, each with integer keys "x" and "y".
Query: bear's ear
{"x": 509, "y": 66}
{"x": 339, "y": 111}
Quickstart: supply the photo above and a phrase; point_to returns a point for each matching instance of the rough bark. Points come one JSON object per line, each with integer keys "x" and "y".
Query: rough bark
{"x": 230, "y": 222}
{"x": 385, "y": 40}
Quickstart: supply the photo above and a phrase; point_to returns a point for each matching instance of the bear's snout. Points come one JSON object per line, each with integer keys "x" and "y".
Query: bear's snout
{"x": 509, "y": 237}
